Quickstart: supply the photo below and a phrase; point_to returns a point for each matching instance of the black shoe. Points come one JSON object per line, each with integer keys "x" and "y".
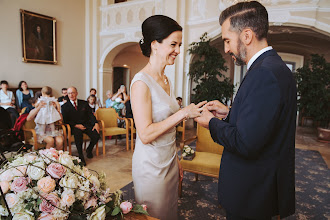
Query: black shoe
{"x": 89, "y": 154}
{"x": 82, "y": 162}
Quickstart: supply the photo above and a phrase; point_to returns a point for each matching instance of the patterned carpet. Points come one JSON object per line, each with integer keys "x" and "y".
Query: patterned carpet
{"x": 199, "y": 199}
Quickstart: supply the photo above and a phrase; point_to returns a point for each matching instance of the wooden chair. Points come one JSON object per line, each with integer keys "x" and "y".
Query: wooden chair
{"x": 181, "y": 128}
{"x": 132, "y": 130}
{"x": 30, "y": 135}
{"x": 107, "y": 118}
{"x": 207, "y": 158}
{"x": 85, "y": 139}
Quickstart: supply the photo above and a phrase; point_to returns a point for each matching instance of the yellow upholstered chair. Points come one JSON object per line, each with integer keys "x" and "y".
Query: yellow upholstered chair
{"x": 71, "y": 139}
{"x": 181, "y": 128}
{"x": 132, "y": 131}
{"x": 107, "y": 118}
{"x": 30, "y": 135}
{"x": 207, "y": 158}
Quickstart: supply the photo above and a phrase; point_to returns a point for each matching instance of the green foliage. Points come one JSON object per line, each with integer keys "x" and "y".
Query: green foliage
{"x": 313, "y": 81}
{"x": 205, "y": 71}
{"x": 139, "y": 209}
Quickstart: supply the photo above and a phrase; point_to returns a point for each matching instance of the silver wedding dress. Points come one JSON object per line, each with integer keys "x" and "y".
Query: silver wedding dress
{"x": 155, "y": 168}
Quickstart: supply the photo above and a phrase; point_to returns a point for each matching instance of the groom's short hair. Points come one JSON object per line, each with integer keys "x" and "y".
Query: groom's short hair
{"x": 243, "y": 15}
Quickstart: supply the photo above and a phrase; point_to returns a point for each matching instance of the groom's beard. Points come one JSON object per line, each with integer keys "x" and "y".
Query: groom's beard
{"x": 241, "y": 56}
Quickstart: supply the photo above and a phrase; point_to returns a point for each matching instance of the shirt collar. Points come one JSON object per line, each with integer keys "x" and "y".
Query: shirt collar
{"x": 255, "y": 56}
{"x": 72, "y": 102}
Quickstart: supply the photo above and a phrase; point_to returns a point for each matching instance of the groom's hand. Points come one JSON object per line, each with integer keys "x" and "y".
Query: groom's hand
{"x": 218, "y": 109}
{"x": 205, "y": 118}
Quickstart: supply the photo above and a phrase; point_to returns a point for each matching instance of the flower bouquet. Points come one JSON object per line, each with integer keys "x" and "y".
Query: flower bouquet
{"x": 50, "y": 184}
{"x": 188, "y": 153}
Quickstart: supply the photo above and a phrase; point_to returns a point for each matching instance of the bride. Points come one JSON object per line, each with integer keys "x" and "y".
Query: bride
{"x": 155, "y": 165}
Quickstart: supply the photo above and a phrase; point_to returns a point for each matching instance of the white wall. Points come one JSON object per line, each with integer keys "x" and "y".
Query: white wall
{"x": 70, "y": 70}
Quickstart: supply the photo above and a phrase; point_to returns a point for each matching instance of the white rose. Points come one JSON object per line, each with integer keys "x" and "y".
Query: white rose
{"x": 36, "y": 173}
{"x": 7, "y": 176}
{"x": 95, "y": 181}
{"x": 192, "y": 151}
{"x": 187, "y": 150}
{"x": 19, "y": 171}
{"x": 184, "y": 154}
{"x": 4, "y": 186}
{"x": 99, "y": 214}
{"x": 30, "y": 157}
{"x": 22, "y": 216}
{"x": 69, "y": 181}
{"x": 11, "y": 199}
{"x": 68, "y": 197}
{"x": 66, "y": 160}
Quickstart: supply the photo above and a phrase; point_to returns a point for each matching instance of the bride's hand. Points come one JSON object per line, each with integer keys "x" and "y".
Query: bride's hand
{"x": 193, "y": 111}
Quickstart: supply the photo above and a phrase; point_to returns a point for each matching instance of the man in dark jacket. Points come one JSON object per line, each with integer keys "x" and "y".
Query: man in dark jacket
{"x": 79, "y": 116}
{"x": 256, "y": 179}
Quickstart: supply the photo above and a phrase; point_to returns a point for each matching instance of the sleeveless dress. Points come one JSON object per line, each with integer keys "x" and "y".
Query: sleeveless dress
{"x": 155, "y": 169}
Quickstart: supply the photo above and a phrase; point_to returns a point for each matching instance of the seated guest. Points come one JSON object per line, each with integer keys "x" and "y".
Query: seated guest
{"x": 23, "y": 94}
{"x": 45, "y": 114}
{"x": 7, "y": 101}
{"x": 92, "y": 91}
{"x": 92, "y": 103}
{"x": 5, "y": 122}
{"x": 79, "y": 116}
{"x": 64, "y": 98}
{"x": 128, "y": 108}
{"x": 109, "y": 102}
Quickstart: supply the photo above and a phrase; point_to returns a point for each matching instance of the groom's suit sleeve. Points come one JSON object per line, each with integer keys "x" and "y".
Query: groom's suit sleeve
{"x": 257, "y": 111}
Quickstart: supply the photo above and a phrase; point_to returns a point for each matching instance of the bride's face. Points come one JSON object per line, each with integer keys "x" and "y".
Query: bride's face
{"x": 169, "y": 48}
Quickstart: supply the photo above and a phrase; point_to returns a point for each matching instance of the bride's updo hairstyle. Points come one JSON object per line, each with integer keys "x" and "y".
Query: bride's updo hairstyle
{"x": 156, "y": 27}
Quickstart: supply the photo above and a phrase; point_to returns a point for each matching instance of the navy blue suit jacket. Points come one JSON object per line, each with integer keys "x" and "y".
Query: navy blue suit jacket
{"x": 256, "y": 178}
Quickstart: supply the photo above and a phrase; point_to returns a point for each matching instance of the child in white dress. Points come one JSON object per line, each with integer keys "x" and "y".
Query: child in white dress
{"x": 47, "y": 115}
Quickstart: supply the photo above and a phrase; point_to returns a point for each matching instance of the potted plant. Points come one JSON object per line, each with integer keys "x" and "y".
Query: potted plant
{"x": 313, "y": 81}
{"x": 205, "y": 71}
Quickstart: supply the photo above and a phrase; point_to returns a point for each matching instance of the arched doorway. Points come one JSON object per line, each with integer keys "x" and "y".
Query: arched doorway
{"x": 124, "y": 60}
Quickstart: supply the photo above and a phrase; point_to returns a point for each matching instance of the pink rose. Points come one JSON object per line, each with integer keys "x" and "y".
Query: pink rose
{"x": 144, "y": 207}
{"x": 126, "y": 207}
{"x": 19, "y": 171}
{"x": 92, "y": 202}
{"x": 4, "y": 186}
{"x": 7, "y": 176}
{"x": 56, "y": 170}
{"x": 46, "y": 184}
{"x": 20, "y": 184}
{"x": 11, "y": 199}
{"x": 49, "y": 202}
{"x": 46, "y": 216}
{"x": 50, "y": 152}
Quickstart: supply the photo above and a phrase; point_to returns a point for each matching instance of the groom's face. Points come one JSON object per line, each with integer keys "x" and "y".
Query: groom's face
{"x": 233, "y": 44}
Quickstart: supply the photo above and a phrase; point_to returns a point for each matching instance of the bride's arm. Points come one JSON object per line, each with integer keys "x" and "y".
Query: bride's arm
{"x": 142, "y": 111}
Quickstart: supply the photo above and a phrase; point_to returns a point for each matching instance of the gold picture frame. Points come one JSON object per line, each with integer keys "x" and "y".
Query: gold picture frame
{"x": 38, "y": 38}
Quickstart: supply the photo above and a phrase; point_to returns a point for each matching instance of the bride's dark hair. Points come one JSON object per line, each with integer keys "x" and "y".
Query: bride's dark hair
{"x": 156, "y": 27}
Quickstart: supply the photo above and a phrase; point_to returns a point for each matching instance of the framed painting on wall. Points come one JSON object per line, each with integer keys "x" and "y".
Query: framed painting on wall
{"x": 38, "y": 37}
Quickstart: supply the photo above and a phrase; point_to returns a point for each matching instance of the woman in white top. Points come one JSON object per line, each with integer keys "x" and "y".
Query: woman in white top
{"x": 155, "y": 165}
{"x": 7, "y": 101}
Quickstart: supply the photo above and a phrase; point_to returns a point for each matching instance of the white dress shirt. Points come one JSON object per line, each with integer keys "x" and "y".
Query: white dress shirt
{"x": 255, "y": 56}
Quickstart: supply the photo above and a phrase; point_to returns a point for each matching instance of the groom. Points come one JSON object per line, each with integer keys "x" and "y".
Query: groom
{"x": 256, "y": 179}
